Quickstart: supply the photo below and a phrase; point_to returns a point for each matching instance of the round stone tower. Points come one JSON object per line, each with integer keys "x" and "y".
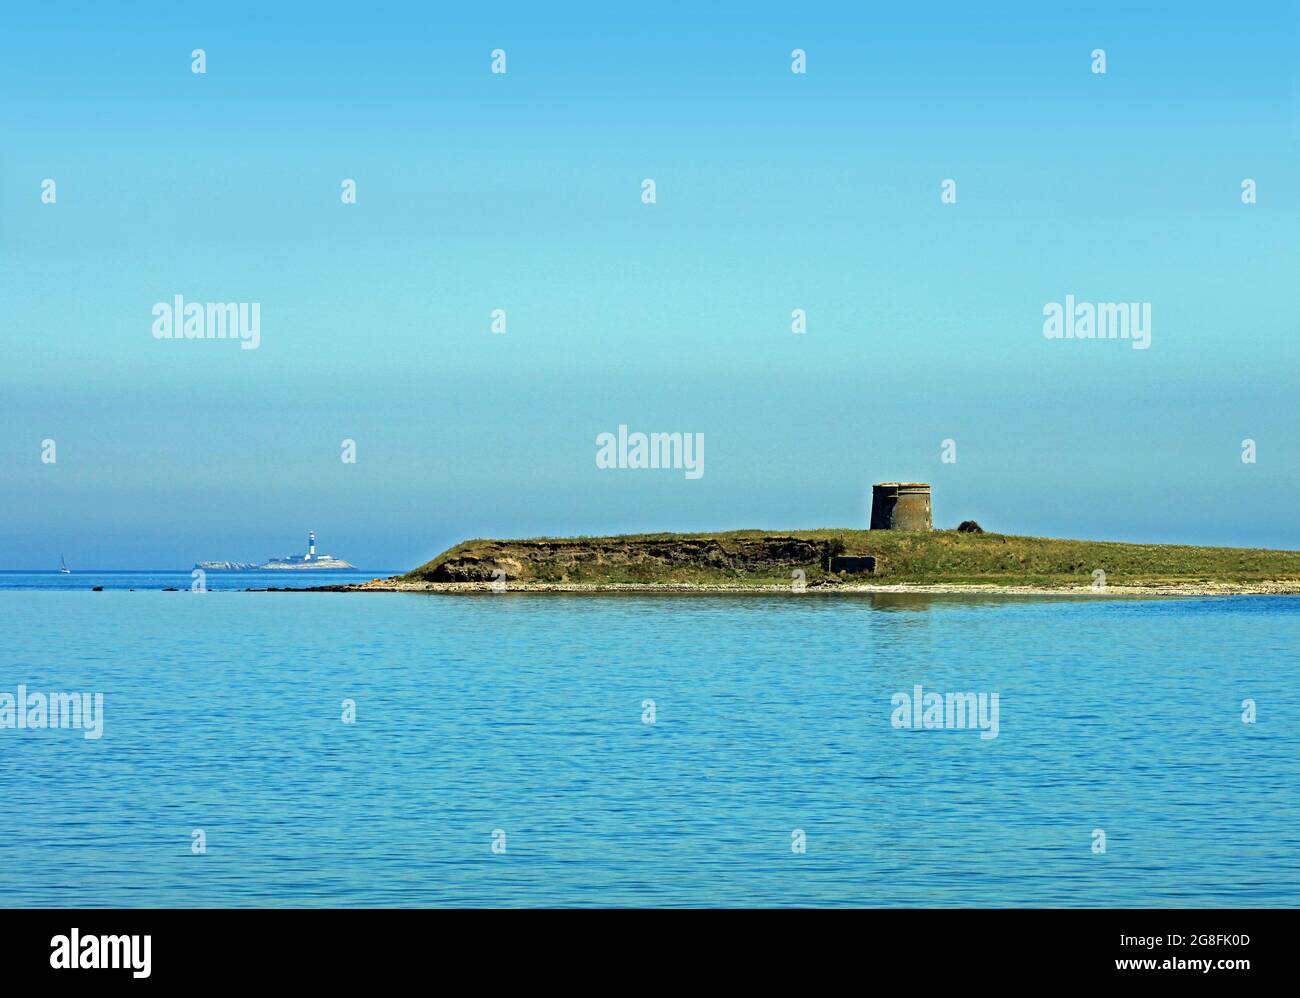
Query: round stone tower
{"x": 900, "y": 506}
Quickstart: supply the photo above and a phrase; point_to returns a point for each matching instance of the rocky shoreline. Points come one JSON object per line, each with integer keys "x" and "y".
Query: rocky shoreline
{"x": 398, "y": 585}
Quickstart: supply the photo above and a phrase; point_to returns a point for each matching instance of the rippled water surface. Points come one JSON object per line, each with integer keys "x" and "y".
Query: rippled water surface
{"x": 524, "y": 714}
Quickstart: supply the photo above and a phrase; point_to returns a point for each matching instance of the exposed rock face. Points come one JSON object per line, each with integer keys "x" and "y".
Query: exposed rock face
{"x": 560, "y": 559}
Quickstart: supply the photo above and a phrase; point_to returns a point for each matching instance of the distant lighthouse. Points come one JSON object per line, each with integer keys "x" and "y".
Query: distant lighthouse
{"x": 311, "y": 544}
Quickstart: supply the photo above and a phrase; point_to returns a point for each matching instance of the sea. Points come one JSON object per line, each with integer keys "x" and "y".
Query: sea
{"x": 510, "y": 749}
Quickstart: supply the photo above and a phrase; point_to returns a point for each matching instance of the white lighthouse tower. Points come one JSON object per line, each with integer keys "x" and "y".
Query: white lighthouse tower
{"x": 311, "y": 545}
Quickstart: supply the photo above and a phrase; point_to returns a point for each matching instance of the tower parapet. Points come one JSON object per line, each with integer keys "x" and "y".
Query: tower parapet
{"x": 901, "y": 506}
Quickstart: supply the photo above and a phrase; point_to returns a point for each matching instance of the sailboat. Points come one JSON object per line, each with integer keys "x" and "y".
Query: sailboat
{"x": 63, "y": 566}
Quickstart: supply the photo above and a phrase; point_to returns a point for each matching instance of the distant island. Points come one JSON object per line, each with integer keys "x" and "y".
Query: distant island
{"x": 900, "y": 553}
{"x": 311, "y": 561}
{"x": 849, "y": 561}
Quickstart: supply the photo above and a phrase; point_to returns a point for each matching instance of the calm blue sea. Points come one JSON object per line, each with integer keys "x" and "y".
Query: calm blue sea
{"x": 525, "y": 715}
{"x": 158, "y": 579}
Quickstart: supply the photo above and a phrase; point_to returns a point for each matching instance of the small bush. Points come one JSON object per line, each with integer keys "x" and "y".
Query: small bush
{"x": 969, "y": 527}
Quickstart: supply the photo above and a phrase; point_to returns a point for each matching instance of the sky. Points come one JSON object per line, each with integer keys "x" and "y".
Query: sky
{"x": 522, "y": 191}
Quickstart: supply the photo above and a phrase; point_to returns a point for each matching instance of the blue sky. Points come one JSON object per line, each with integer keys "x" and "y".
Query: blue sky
{"x": 775, "y": 191}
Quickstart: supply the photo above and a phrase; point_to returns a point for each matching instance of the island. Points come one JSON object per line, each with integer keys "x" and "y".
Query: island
{"x": 901, "y": 552}
{"x": 846, "y": 561}
{"x": 310, "y": 561}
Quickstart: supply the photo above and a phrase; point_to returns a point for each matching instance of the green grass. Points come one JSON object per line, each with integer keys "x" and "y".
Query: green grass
{"x": 941, "y": 556}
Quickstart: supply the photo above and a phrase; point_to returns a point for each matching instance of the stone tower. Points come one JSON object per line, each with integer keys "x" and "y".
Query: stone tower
{"x": 900, "y": 506}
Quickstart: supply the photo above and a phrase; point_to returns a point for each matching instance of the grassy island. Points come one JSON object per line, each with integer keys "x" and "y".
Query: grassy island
{"x": 768, "y": 560}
